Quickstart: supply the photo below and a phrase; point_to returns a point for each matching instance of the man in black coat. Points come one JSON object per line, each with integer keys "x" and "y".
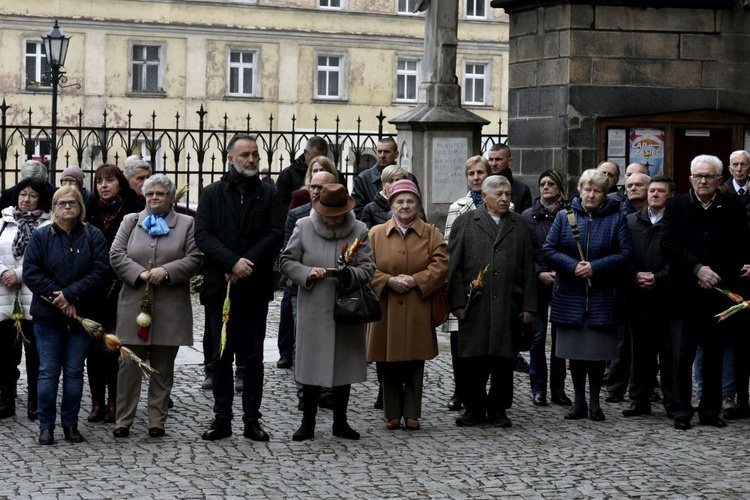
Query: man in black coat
{"x": 368, "y": 184}
{"x": 500, "y": 159}
{"x": 293, "y": 176}
{"x": 705, "y": 237}
{"x": 646, "y": 296}
{"x": 239, "y": 227}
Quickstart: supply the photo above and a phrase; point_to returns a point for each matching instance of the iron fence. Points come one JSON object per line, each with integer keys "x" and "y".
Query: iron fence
{"x": 192, "y": 156}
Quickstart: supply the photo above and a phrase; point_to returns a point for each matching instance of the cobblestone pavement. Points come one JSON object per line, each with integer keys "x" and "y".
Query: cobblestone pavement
{"x": 541, "y": 456}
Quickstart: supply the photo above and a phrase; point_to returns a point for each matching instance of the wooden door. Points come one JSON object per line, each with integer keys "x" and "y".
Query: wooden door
{"x": 691, "y": 142}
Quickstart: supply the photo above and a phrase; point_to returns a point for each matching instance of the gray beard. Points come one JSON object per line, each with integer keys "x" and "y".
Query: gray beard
{"x": 248, "y": 172}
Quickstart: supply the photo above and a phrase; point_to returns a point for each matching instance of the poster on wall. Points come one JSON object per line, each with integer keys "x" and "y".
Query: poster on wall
{"x": 647, "y": 147}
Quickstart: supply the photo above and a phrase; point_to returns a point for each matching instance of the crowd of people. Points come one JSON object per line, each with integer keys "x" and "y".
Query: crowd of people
{"x": 634, "y": 285}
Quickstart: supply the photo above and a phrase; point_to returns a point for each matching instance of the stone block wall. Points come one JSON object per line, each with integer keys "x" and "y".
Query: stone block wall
{"x": 572, "y": 62}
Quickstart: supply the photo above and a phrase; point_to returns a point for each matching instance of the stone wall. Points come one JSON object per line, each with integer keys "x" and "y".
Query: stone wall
{"x": 571, "y": 64}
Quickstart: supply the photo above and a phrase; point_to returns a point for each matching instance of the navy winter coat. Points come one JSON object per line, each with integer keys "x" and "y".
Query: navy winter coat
{"x": 67, "y": 262}
{"x": 607, "y": 245}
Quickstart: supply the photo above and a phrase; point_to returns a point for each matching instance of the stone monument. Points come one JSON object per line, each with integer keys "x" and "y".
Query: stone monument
{"x": 438, "y": 136}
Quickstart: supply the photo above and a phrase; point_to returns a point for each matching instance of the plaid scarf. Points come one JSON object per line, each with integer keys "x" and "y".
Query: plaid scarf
{"x": 27, "y": 223}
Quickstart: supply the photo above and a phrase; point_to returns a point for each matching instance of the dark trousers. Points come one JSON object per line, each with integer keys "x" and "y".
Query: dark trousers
{"x": 687, "y": 333}
{"x": 476, "y": 371}
{"x": 246, "y": 332}
{"x": 649, "y": 336}
{"x": 538, "y": 354}
{"x": 286, "y": 325}
{"x": 11, "y": 353}
{"x": 741, "y": 343}
{"x": 618, "y": 376}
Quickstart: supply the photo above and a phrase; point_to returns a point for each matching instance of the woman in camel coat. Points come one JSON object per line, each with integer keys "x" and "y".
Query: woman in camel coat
{"x": 405, "y": 279}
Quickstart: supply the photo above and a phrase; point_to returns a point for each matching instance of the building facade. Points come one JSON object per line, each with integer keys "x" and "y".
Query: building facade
{"x": 257, "y": 65}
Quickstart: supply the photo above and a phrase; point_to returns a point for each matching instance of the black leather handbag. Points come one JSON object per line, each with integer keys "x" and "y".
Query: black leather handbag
{"x": 356, "y": 306}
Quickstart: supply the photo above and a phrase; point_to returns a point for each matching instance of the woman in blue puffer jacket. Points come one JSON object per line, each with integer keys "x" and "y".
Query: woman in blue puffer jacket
{"x": 585, "y": 292}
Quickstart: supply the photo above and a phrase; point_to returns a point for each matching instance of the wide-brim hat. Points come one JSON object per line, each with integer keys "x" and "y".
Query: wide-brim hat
{"x": 333, "y": 201}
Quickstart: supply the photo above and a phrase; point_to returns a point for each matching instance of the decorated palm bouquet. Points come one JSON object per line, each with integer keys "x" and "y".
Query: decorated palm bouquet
{"x": 476, "y": 285}
{"x": 349, "y": 252}
{"x": 740, "y": 304}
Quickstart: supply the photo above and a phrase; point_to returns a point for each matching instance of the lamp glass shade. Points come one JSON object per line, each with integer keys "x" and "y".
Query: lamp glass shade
{"x": 56, "y": 46}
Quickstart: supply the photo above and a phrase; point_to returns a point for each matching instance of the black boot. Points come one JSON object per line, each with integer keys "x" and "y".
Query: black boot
{"x": 340, "y": 403}
{"x": 7, "y": 399}
{"x": 310, "y": 396}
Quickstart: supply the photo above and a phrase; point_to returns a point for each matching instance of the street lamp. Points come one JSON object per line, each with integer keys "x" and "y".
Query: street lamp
{"x": 55, "y": 50}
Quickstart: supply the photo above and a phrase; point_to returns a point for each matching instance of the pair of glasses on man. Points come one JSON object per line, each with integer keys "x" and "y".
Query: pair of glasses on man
{"x": 705, "y": 177}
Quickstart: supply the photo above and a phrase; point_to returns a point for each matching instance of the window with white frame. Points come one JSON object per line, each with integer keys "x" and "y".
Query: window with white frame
{"x": 242, "y": 71}
{"x": 475, "y": 83}
{"x": 407, "y": 79}
{"x": 331, "y": 4}
{"x": 329, "y": 83}
{"x": 146, "y": 68}
{"x": 405, "y": 6}
{"x": 476, "y": 8}
{"x": 141, "y": 149}
{"x": 36, "y": 62}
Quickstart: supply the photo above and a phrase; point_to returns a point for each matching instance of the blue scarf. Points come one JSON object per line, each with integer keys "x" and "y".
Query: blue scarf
{"x": 155, "y": 225}
{"x": 477, "y": 197}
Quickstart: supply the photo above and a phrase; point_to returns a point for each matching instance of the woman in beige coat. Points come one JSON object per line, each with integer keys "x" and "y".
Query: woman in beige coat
{"x": 154, "y": 247}
{"x": 405, "y": 279}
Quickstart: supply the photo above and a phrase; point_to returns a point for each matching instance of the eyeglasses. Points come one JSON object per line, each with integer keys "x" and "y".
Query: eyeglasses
{"x": 68, "y": 182}
{"x": 316, "y": 187}
{"x": 158, "y": 194}
{"x": 705, "y": 177}
{"x": 66, "y": 203}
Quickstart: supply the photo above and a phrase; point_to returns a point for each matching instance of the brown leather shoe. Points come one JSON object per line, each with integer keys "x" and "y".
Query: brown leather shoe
{"x": 412, "y": 424}
{"x": 97, "y": 412}
{"x": 393, "y": 424}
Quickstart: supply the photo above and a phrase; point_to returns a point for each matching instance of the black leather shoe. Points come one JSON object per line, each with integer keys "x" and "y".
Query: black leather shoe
{"x": 284, "y": 362}
{"x": 596, "y": 414}
{"x": 46, "y": 437}
{"x": 560, "y": 398}
{"x": 654, "y": 398}
{"x": 540, "y": 399}
{"x": 469, "y": 419}
{"x": 499, "y": 419}
{"x": 522, "y": 366}
{"x": 713, "y": 422}
{"x": 156, "y": 432}
{"x": 576, "y": 414}
{"x": 682, "y": 423}
{"x": 218, "y": 430}
{"x": 454, "y": 404}
{"x": 637, "y": 409}
{"x": 254, "y": 431}
{"x": 739, "y": 411}
{"x": 121, "y": 432}
{"x": 72, "y": 435}
{"x": 615, "y": 398}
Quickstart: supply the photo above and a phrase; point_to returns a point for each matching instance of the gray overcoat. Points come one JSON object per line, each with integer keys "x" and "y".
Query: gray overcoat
{"x": 172, "y": 317}
{"x": 509, "y": 285}
{"x": 327, "y": 354}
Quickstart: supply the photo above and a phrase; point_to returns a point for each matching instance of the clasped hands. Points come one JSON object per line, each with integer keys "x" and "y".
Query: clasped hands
{"x": 401, "y": 283}
{"x": 243, "y": 268}
{"x": 154, "y": 276}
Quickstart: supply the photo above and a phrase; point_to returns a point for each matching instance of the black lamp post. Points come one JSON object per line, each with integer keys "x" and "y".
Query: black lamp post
{"x": 55, "y": 49}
